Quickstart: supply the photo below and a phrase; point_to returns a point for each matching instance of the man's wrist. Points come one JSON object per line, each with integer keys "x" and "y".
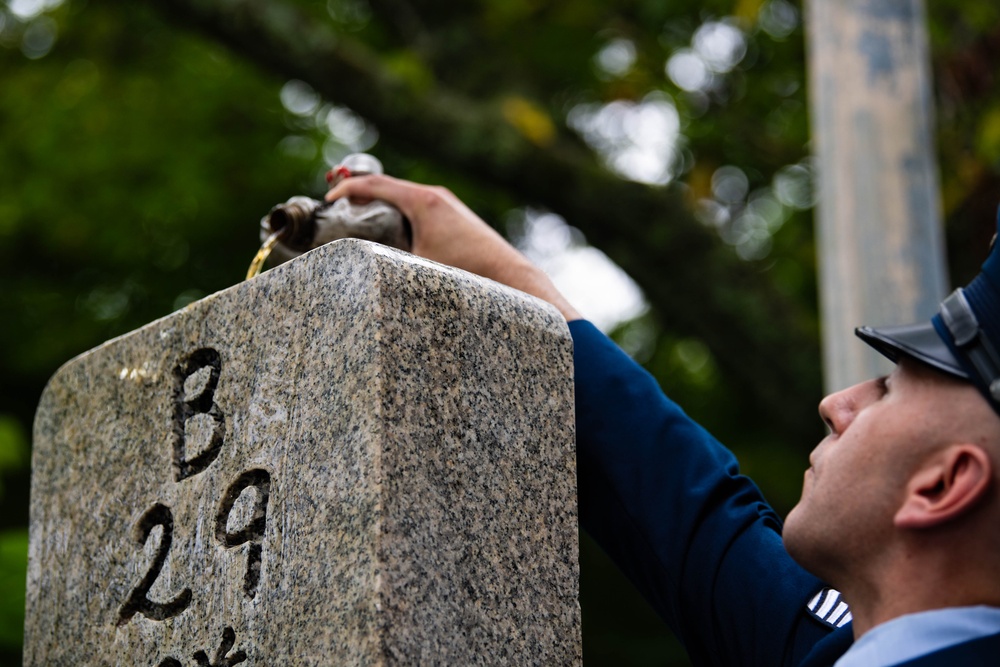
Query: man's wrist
{"x": 530, "y": 279}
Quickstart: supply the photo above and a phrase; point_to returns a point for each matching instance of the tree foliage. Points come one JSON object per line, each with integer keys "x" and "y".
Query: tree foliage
{"x": 143, "y": 141}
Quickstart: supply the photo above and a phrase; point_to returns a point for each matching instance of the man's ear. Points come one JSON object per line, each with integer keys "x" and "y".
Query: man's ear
{"x": 945, "y": 487}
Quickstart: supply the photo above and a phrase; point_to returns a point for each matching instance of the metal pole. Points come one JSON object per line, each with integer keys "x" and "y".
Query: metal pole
{"x": 879, "y": 240}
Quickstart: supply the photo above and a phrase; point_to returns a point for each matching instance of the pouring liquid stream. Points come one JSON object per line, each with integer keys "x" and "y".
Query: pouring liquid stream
{"x": 258, "y": 261}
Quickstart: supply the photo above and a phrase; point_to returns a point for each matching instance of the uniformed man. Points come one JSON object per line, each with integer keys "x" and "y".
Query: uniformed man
{"x": 900, "y": 510}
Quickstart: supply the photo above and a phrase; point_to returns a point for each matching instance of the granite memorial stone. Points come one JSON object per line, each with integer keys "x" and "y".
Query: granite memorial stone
{"x": 357, "y": 458}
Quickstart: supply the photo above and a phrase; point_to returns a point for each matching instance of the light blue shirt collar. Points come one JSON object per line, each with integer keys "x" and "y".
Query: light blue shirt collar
{"x": 914, "y": 635}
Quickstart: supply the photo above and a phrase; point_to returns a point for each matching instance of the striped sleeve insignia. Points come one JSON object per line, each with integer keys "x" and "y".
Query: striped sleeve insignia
{"x": 829, "y": 608}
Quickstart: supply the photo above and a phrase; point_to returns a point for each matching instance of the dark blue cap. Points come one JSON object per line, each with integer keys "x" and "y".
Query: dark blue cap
{"x": 961, "y": 340}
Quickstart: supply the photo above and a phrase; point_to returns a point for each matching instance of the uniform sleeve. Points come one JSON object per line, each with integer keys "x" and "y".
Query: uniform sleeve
{"x": 666, "y": 501}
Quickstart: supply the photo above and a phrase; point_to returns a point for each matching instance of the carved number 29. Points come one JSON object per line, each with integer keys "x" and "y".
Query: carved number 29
{"x": 160, "y": 515}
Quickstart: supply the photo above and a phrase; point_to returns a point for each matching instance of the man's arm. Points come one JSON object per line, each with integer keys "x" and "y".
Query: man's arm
{"x": 668, "y": 504}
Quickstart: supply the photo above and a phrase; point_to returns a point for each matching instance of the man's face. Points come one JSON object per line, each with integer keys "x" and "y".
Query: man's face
{"x": 880, "y": 432}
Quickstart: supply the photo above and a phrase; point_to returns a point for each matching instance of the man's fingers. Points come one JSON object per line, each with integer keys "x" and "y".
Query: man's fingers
{"x": 348, "y": 187}
{"x": 375, "y": 186}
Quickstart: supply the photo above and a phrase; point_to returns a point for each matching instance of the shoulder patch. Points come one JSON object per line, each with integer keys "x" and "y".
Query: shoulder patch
{"x": 829, "y": 608}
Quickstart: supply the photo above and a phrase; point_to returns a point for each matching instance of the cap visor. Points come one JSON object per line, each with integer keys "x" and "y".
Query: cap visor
{"x": 918, "y": 341}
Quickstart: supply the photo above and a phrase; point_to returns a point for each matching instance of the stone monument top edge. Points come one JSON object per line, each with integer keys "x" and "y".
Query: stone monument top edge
{"x": 400, "y": 258}
{"x": 362, "y": 251}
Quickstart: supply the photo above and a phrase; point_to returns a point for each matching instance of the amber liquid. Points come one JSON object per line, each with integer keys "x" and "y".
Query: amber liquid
{"x": 258, "y": 261}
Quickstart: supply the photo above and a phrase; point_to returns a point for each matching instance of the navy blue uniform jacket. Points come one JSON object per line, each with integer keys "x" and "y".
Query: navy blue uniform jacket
{"x": 666, "y": 501}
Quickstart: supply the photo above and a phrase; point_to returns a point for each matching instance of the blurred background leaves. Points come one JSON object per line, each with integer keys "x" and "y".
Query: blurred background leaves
{"x": 652, "y": 156}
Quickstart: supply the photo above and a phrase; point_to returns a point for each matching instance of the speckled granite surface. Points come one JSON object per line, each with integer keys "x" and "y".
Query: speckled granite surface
{"x": 358, "y": 458}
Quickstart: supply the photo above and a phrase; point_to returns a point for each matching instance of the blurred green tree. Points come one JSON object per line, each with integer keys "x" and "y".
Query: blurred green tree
{"x": 141, "y": 143}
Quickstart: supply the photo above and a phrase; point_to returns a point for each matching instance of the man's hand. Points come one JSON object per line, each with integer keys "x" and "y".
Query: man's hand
{"x": 446, "y": 230}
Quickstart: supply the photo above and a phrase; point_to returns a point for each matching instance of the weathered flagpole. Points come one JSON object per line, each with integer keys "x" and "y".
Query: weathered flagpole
{"x": 879, "y": 229}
